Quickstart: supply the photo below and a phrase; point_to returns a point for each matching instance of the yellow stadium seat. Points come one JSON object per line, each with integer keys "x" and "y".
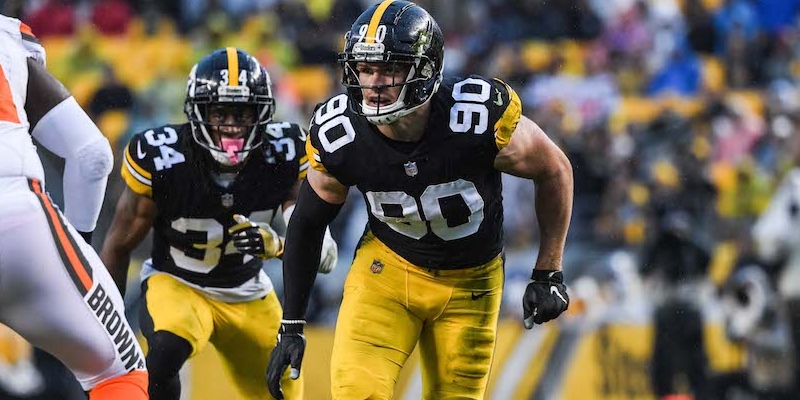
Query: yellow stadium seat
{"x": 713, "y": 73}
{"x": 310, "y": 83}
{"x": 753, "y": 99}
{"x": 638, "y": 109}
{"x": 536, "y": 55}
{"x": 574, "y": 53}
{"x": 113, "y": 124}
{"x": 684, "y": 106}
{"x": 84, "y": 86}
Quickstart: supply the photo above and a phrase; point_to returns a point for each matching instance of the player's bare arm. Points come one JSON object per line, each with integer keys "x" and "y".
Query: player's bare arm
{"x": 327, "y": 187}
{"x": 44, "y": 92}
{"x": 133, "y": 219}
{"x": 63, "y": 127}
{"x": 531, "y": 154}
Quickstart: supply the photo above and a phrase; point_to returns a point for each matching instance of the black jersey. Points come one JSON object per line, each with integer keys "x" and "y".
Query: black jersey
{"x": 438, "y": 203}
{"x": 195, "y": 209}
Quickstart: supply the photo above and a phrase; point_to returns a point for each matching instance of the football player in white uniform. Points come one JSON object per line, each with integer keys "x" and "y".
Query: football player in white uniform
{"x": 54, "y": 290}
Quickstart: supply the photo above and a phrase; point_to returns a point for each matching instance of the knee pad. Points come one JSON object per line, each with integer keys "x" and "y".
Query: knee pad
{"x": 131, "y": 386}
{"x": 166, "y": 355}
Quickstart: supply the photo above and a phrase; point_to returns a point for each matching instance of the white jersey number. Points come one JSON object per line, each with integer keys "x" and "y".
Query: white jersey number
{"x": 469, "y": 113}
{"x": 169, "y": 156}
{"x": 208, "y": 236}
{"x": 454, "y": 210}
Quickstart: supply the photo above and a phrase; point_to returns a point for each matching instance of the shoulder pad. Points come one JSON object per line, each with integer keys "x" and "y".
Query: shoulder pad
{"x": 150, "y": 152}
{"x": 20, "y": 34}
{"x": 331, "y": 129}
{"x": 501, "y": 107}
{"x": 286, "y": 142}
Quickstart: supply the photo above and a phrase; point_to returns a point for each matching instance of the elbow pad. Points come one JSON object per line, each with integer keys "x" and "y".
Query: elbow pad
{"x": 95, "y": 159}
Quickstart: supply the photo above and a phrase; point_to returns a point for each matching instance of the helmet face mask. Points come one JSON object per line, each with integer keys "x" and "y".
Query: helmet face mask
{"x": 398, "y": 35}
{"x": 228, "y": 108}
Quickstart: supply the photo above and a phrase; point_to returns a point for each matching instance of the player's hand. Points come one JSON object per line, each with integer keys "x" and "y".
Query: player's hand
{"x": 545, "y": 298}
{"x": 288, "y": 352}
{"x": 258, "y": 240}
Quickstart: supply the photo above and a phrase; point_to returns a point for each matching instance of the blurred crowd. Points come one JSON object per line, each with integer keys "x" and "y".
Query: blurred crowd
{"x": 680, "y": 117}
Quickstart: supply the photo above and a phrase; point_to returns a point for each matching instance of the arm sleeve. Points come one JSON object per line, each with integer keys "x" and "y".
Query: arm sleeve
{"x": 68, "y": 132}
{"x": 304, "y": 238}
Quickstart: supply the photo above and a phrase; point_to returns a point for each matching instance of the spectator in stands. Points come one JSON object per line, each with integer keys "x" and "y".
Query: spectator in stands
{"x": 701, "y": 32}
{"x": 679, "y": 75}
{"x": 111, "y": 17}
{"x": 735, "y": 16}
{"x": 52, "y": 18}
{"x": 678, "y": 345}
{"x": 111, "y": 95}
{"x": 776, "y": 16}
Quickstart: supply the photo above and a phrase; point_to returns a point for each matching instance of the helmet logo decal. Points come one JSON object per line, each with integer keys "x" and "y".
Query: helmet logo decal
{"x": 422, "y": 43}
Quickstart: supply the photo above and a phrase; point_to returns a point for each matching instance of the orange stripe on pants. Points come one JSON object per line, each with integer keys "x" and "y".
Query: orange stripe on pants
{"x": 71, "y": 256}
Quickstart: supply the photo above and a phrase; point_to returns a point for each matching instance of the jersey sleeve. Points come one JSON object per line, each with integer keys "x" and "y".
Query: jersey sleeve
{"x": 138, "y": 165}
{"x": 331, "y": 140}
{"x": 32, "y": 45}
{"x": 21, "y": 34}
{"x": 301, "y": 153}
{"x": 505, "y": 103}
{"x": 313, "y": 144}
{"x": 288, "y": 144}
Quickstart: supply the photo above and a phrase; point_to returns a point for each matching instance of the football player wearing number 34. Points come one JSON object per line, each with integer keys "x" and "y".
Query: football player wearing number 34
{"x": 212, "y": 190}
{"x": 427, "y": 153}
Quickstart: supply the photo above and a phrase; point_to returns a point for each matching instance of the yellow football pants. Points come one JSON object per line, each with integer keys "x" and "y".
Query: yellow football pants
{"x": 244, "y": 334}
{"x": 389, "y": 305}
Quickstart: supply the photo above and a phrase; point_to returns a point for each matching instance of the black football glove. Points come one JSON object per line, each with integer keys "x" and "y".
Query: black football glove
{"x": 545, "y": 298}
{"x": 257, "y": 240}
{"x": 288, "y": 352}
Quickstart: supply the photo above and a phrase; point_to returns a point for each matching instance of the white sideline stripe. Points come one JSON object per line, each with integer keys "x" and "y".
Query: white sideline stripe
{"x": 414, "y": 388}
{"x": 512, "y": 372}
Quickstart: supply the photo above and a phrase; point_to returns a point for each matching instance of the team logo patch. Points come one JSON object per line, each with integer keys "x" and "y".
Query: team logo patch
{"x": 376, "y": 267}
{"x": 227, "y": 200}
{"x": 411, "y": 168}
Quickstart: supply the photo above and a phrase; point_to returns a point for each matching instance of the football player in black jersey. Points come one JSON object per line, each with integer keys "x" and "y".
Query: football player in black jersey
{"x": 427, "y": 153}
{"x": 212, "y": 189}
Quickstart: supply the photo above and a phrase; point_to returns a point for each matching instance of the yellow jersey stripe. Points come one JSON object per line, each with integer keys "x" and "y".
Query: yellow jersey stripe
{"x": 504, "y": 127}
{"x": 135, "y": 184}
{"x": 233, "y": 66}
{"x": 376, "y": 20}
{"x": 141, "y": 171}
{"x": 314, "y": 159}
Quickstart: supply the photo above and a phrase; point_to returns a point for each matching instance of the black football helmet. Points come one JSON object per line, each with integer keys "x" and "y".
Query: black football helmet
{"x": 229, "y": 77}
{"x": 398, "y": 32}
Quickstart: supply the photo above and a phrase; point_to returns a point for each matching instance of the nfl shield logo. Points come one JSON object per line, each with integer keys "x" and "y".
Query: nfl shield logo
{"x": 227, "y": 200}
{"x": 411, "y": 168}
{"x": 376, "y": 267}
